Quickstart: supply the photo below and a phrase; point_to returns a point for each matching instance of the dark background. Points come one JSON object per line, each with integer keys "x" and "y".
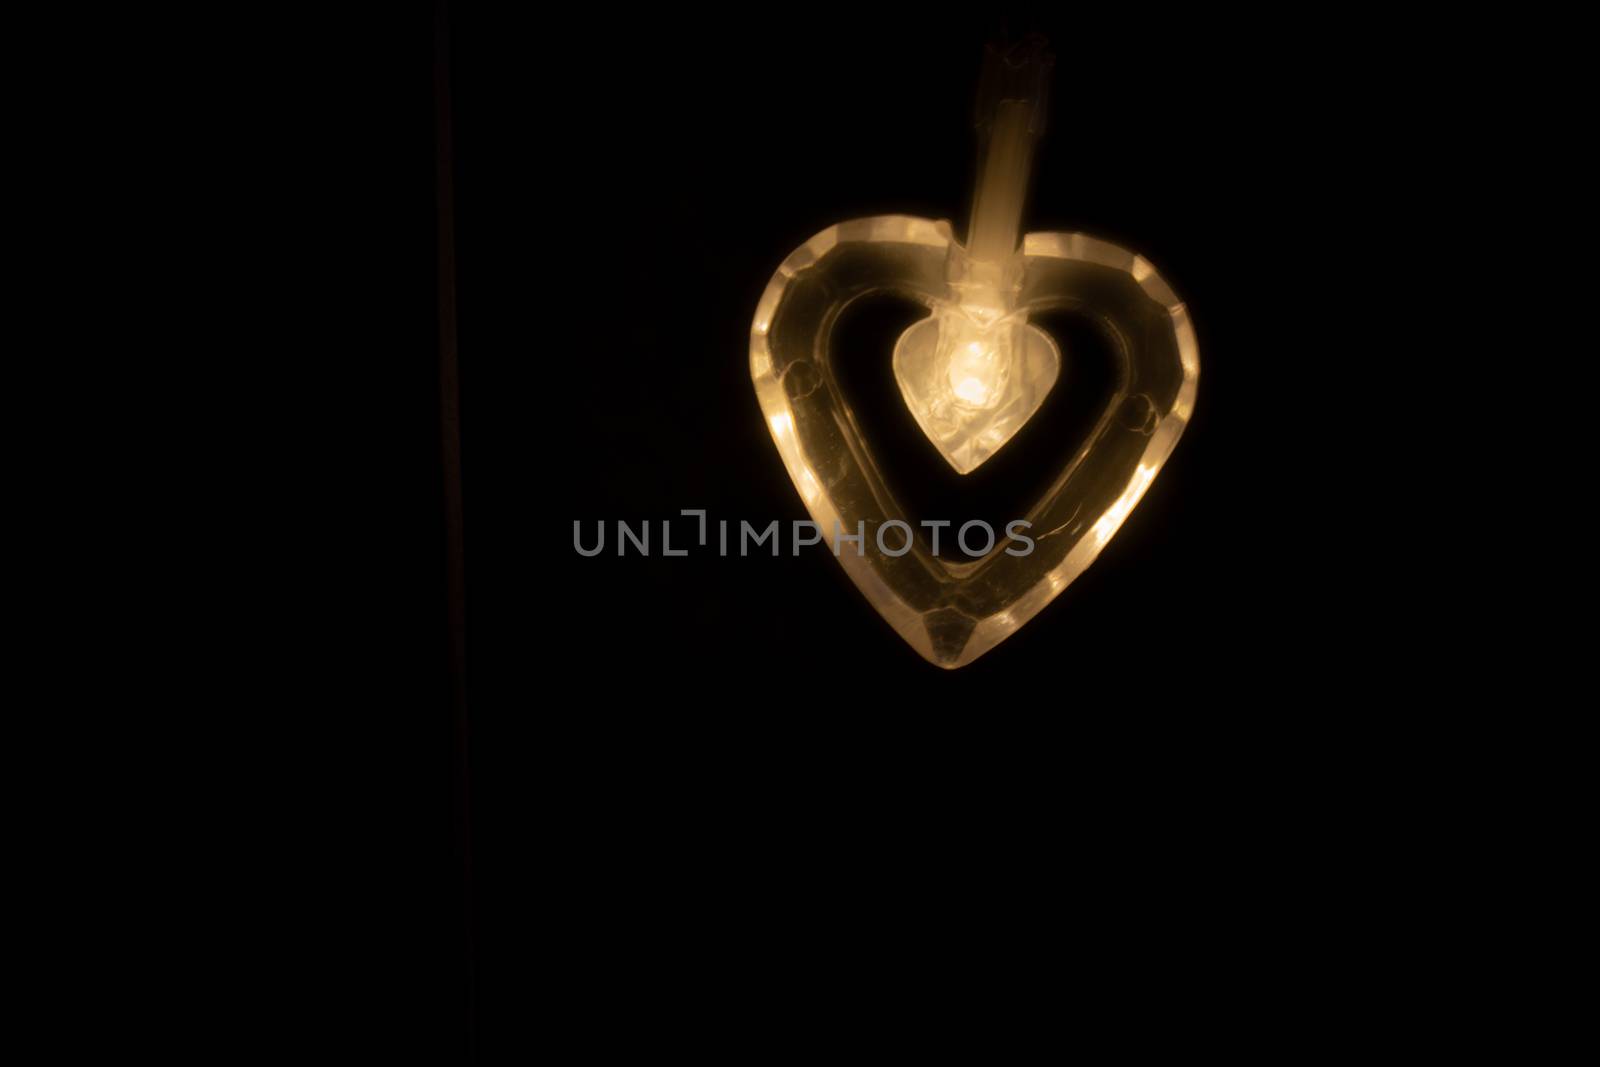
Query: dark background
{"x": 638, "y": 770}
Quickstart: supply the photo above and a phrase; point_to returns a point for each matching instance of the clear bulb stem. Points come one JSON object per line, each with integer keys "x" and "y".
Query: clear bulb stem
{"x": 1010, "y": 117}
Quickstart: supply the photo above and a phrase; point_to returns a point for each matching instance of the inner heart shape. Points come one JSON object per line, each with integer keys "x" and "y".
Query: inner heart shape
{"x": 953, "y": 609}
{"x": 970, "y": 384}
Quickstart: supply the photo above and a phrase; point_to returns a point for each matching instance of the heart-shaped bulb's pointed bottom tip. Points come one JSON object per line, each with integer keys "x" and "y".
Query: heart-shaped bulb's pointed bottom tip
{"x": 949, "y": 631}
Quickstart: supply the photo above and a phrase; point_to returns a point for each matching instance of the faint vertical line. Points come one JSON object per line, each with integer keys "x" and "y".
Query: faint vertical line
{"x": 450, "y": 457}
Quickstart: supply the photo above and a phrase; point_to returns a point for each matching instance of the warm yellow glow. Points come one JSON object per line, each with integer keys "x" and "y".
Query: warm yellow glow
{"x": 1111, "y": 521}
{"x": 807, "y": 484}
{"x": 972, "y": 379}
{"x": 838, "y": 481}
{"x": 972, "y": 373}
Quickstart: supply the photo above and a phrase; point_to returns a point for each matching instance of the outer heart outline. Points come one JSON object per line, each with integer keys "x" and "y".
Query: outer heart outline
{"x": 954, "y": 612}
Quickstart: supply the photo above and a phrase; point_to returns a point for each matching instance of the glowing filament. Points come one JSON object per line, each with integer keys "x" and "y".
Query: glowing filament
{"x": 973, "y": 374}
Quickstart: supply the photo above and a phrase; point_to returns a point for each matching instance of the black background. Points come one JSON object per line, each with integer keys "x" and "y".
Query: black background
{"x": 656, "y": 768}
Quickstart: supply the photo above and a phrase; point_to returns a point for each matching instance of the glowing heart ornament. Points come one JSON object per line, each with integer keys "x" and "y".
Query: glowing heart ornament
{"x": 972, "y": 374}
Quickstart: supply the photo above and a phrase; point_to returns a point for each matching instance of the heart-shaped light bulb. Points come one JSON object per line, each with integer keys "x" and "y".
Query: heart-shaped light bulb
{"x": 972, "y": 373}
